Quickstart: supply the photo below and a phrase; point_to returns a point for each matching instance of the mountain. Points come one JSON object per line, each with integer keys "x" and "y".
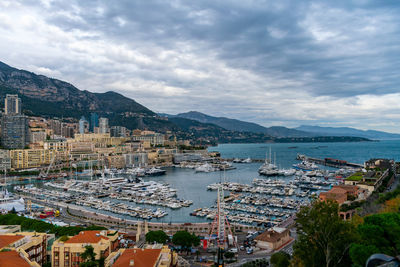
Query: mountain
{"x": 347, "y": 131}
{"x": 242, "y": 126}
{"x": 64, "y": 97}
{"x": 43, "y": 96}
{"x": 49, "y": 97}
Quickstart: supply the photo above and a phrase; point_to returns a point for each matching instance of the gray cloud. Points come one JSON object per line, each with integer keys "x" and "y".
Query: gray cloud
{"x": 271, "y": 62}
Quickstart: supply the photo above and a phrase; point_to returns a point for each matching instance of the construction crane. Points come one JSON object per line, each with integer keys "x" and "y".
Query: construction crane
{"x": 44, "y": 175}
{"x": 220, "y": 224}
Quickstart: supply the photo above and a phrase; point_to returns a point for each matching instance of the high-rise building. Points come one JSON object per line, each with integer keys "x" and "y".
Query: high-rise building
{"x": 15, "y": 127}
{"x": 14, "y": 132}
{"x": 103, "y": 125}
{"x": 94, "y": 121}
{"x": 82, "y": 125}
{"x": 12, "y": 105}
{"x": 118, "y": 131}
{"x": 67, "y": 130}
{"x": 55, "y": 125}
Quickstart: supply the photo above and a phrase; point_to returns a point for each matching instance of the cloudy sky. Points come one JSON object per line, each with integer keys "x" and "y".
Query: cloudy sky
{"x": 330, "y": 63}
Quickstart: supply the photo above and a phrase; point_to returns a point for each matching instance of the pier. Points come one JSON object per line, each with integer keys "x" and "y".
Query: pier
{"x": 252, "y": 160}
{"x": 335, "y": 163}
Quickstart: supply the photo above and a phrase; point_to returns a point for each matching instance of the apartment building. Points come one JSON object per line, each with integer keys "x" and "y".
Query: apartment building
{"x": 67, "y": 253}
{"x": 30, "y": 158}
{"x": 31, "y": 244}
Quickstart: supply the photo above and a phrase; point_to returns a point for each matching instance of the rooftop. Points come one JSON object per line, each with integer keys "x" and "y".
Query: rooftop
{"x": 138, "y": 257}
{"x": 86, "y": 237}
{"x": 272, "y": 235}
{"x": 12, "y": 258}
{"x": 6, "y": 240}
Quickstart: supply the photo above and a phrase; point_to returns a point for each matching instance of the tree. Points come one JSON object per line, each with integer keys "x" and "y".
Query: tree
{"x": 64, "y": 238}
{"x": 280, "y": 259}
{"x": 157, "y": 236}
{"x": 323, "y": 238}
{"x": 229, "y": 255}
{"x": 185, "y": 239}
{"x": 88, "y": 255}
{"x": 380, "y": 233}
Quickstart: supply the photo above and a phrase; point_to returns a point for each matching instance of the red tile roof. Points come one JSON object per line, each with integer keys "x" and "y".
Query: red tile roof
{"x": 141, "y": 258}
{"x": 6, "y": 240}
{"x": 12, "y": 258}
{"x": 92, "y": 237}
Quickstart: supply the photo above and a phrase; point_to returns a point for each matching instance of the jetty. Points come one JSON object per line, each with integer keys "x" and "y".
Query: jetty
{"x": 331, "y": 162}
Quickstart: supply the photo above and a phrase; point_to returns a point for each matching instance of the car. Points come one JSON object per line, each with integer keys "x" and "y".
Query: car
{"x": 249, "y": 251}
{"x": 233, "y": 250}
{"x": 241, "y": 247}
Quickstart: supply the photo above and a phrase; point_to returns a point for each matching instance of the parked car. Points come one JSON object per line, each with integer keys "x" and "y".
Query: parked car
{"x": 234, "y": 250}
{"x": 249, "y": 251}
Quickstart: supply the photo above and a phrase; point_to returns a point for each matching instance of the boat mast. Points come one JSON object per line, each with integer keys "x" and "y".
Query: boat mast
{"x": 270, "y": 155}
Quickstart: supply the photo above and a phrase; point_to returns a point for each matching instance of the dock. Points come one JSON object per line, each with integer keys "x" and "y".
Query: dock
{"x": 331, "y": 162}
{"x": 252, "y": 160}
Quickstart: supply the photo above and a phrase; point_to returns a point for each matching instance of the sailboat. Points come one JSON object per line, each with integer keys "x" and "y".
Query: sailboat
{"x": 269, "y": 168}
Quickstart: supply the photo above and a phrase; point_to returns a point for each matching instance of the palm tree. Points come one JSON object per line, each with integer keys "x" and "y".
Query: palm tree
{"x": 88, "y": 257}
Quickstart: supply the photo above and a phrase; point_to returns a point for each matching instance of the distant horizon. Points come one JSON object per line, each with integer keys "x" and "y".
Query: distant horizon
{"x": 282, "y": 125}
{"x": 284, "y": 63}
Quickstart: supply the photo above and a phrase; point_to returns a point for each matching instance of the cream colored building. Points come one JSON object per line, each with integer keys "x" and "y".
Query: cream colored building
{"x": 31, "y": 245}
{"x": 273, "y": 239}
{"x": 58, "y": 145}
{"x": 67, "y": 253}
{"x": 30, "y": 158}
{"x": 100, "y": 139}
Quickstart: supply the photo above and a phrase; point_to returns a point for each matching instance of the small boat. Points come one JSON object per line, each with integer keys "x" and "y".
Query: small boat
{"x": 155, "y": 172}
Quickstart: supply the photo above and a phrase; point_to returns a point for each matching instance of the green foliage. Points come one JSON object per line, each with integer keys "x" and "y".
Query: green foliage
{"x": 229, "y": 255}
{"x": 13, "y": 211}
{"x": 355, "y": 177}
{"x": 323, "y": 238}
{"x": 185, "y": 239}
{"x": 64, "y": 238}
{"x": 183, "y": 147}
{"x": 89, "y": 254}
{"x": 157, "y": 236}
{"x": 280, "y": 259}
{"x": 352, "y": 205}
{"x": 41, "y": 226}
{"x": 256, "y": 263}
{"x": 380, "y": 233}
{"x": 389, "y": 195}
{"x": 22, "y": 173}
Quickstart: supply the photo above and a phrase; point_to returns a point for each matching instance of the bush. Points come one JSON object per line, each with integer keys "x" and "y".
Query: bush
{"x": 44, "y": 227}
{"x": 280, "y": 259}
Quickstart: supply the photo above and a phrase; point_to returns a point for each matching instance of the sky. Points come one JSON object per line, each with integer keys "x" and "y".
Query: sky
{"x": 328, "y": 63}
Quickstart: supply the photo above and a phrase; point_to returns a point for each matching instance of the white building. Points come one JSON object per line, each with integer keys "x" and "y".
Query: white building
{"x": 103, "y": 125}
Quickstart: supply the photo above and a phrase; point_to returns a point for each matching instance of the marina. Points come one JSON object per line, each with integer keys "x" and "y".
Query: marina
{"x": 247, "y": 193}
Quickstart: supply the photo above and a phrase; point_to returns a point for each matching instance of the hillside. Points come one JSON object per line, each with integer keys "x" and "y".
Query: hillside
{"x": 43, "y": 96}
{"x": 347, "y": 131}
{"x": 243, "y": 126}
{"x": 63, "y": 95}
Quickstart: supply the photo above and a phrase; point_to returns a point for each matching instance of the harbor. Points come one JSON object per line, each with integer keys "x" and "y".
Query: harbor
{"x": 251, "y": 198}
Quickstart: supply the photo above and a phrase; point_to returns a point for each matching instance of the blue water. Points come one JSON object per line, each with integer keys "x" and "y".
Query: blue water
{"x": 193, "y": 186}
{"x": 286, "y": 153}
